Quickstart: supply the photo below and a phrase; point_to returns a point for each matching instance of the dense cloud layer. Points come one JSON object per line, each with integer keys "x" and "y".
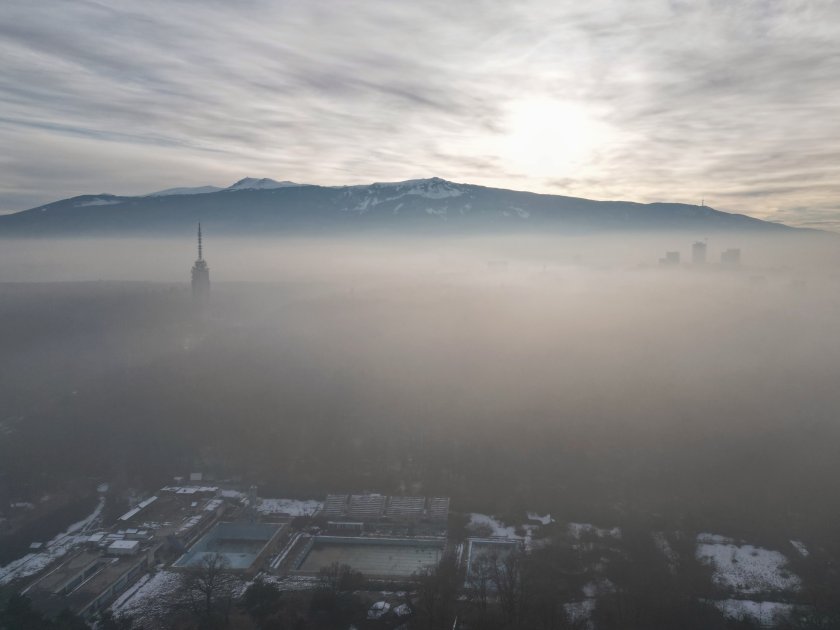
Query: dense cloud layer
{"x": 732, "y": 102}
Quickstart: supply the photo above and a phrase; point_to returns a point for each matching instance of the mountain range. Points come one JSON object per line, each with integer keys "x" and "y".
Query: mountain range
{"x": 260, "y": 206}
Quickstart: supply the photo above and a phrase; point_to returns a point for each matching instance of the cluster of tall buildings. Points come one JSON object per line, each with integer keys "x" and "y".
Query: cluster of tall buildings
{"x": 699, "y": 252}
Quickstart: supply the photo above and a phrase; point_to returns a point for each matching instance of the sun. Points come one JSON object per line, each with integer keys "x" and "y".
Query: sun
{"x": 549, "y": 138}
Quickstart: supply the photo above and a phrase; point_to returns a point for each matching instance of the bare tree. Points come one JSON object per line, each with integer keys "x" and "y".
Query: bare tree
{"x": 437, "y": 589}
{"x": 479, "y": 581}
{"x": 338, "y": 578}
{"x": 208, "y": 589}
{"x": 507, "y": 575}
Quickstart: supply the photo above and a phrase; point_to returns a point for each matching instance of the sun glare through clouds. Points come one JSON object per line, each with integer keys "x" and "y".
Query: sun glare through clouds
{"x": 548, "y": 138}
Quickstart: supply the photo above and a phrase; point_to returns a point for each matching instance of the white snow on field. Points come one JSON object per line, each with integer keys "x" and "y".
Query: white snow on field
{"x": 403, "y": 610}
{"x": 764, "y": 613}
{"x": 800, "y": 547}
{"x": 661, "y": 542}
{"x": 378, "y": 610}
{"x": 148, "y": 596}
{"x": 746, "y": 569}
{"x": 502, "y": 531}
{"x": 292, "y": 507}
{"x": 594, "y": 588}
{"x": 498, "y": 528}
{"x": 32, "y": 563}
{"x": 577, "y": 530}
{"x": 581, "y": 612}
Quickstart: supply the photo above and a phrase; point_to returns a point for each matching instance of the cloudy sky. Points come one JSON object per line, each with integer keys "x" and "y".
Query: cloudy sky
{"x": 734, "y": 102}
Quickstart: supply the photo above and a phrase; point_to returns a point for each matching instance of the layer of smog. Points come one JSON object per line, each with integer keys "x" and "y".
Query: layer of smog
{"x": 594, "y": 380}
{"x": 554, "y": 375}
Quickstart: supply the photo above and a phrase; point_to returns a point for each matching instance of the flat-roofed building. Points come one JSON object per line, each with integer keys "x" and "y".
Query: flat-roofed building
{"x": 439, "y": 509}
{"x": 87, "y": 582}
{"x": 379, "y": 514}
{"x": 366, "y": 507}
{"x": 124, "y": 548}
{"x": 335, "y": 505}
{"x": 406, "y": 507}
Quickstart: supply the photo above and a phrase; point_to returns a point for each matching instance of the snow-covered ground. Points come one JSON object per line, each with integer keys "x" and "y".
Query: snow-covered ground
{"x": 800, "y": 547}
{"x": 148, "y": 595}
{"x": 542, "y": 520}
{"x": 594, "y": 588}
{"x": 661, "y": 542}
{"x": 764, "y": 613}
{"x": 745, "y": 569}
{"x": 578, "y": 530}
{"x": 292, "y": 507}
{"x": 32, "y": 563}
{"x": 581, "y": 612}
{"x": 503, "y": 531}
{"x": 494, "y": 524}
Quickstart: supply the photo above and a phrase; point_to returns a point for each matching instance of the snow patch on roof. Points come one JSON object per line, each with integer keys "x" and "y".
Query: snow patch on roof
{"x": 32, "y": 563}
{"x": 292, "y": 507}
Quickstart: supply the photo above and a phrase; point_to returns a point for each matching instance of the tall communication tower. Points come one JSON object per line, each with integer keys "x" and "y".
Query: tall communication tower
{"x": 200, "y": 273}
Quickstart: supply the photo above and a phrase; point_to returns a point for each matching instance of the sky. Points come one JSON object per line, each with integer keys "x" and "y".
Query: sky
{"x": 735, "y": 103}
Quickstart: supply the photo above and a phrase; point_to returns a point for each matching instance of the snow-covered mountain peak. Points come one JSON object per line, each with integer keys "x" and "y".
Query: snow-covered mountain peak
{"x": 431, "y": 188}
{"x": 252, "y": 183}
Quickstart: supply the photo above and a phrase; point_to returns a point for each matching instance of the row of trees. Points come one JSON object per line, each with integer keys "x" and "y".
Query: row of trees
{"x": 533, "y": 590}
{"x": 18, "y": 613}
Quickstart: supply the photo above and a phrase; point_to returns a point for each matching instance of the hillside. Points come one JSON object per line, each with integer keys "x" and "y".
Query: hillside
{"x": 424, "y": 205}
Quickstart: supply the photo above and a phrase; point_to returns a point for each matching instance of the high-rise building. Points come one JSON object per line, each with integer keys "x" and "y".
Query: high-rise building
{"x": 670, "y": 259}
{"x": 200, "y": 274}
{"x": 698, "y": 253}
{"x": 731, "y": 258}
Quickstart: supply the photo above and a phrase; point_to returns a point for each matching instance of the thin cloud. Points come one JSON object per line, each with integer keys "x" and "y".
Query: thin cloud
{"x": 700, "y": 99}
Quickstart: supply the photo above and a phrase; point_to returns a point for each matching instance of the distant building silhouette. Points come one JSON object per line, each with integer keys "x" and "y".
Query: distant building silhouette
{"x": 698, "y": 253}
{"x": 731, "y": 258}
{"x": 200, "y": 274}
{"x": 671, "y": 258}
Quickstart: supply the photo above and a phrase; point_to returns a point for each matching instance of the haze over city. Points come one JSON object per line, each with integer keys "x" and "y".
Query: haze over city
{"x": 370, "y": 315}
